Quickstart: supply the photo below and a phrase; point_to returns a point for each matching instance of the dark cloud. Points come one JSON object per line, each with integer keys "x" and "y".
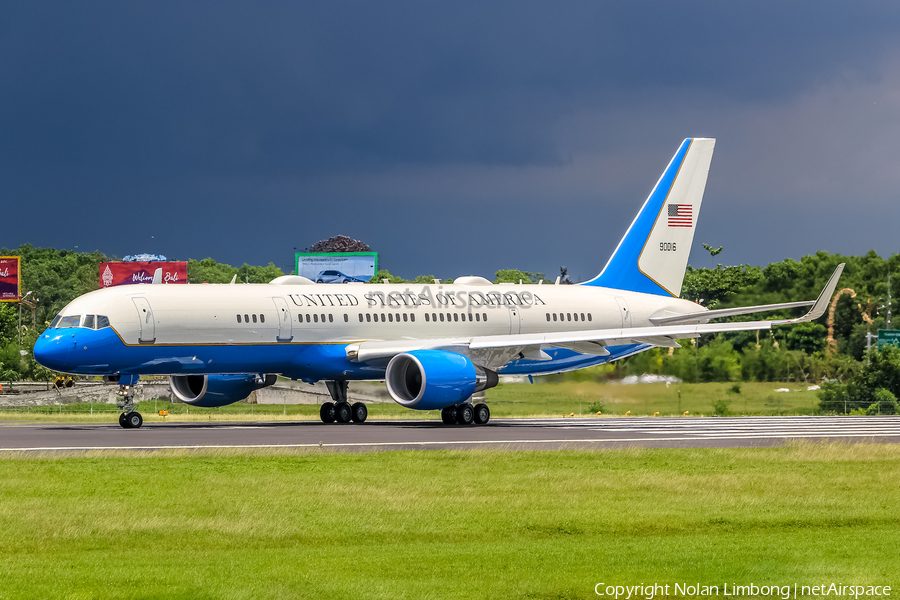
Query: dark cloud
{"x": 266, "y": 126}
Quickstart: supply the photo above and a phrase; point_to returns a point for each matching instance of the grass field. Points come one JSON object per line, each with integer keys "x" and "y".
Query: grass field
{"x": 506, "y": 400}
{"x": 442, "y": 524}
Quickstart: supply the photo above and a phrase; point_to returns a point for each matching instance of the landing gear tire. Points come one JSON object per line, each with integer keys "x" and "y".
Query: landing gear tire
{"x": 326, "y": 413}
{"x": 342, "y": 412}
{"x": 448, "y": 416}
{"x": 482, "y": 414}
{"x": 359, "y": 412}
{"x": 465, "y": 414}
{"x": 122, "y": 421}
{"x": 133, "y": 420}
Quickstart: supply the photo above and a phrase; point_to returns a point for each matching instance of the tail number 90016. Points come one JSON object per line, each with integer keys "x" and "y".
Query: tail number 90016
{"x": 667, "y": 246}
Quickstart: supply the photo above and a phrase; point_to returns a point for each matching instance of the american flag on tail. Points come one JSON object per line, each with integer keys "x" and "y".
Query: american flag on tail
{"x": 681, "y": 215}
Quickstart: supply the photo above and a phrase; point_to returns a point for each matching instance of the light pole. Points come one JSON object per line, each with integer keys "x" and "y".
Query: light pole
{"x": 21, "y": 300}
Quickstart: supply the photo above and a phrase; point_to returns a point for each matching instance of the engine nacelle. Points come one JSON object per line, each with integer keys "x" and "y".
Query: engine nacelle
{"x": 433, "y": 379}
{"x": 217, "y": 390}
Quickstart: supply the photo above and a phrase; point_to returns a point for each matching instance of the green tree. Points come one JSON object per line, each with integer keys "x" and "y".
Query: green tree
{"x": 882, "y": 371}
{"x": 9, "y": 322}
{"x": 806, "y": 337}
{"x": 383, "y": 274}
{"x": 515, "y": 276}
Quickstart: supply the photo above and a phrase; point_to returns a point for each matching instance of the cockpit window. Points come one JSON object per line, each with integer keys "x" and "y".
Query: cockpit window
{"x": 70, "y": 321}
{"x": 55, "y": 321}
{"x": 102, "y": 321}
{"x": 88, "y": 321}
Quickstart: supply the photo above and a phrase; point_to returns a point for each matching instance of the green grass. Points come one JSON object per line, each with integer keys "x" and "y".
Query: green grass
{"x": 563, "y": 398}
{"x": 443, "y": 524}
{"x": 506, "y": 400}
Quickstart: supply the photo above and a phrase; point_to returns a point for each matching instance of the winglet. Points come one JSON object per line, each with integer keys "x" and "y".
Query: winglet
{"x": 822, "y": 301}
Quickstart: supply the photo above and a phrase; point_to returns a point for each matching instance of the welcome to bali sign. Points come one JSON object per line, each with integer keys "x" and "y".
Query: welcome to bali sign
{"x": 126, "y": 273}
{"x": 10, "y": 285}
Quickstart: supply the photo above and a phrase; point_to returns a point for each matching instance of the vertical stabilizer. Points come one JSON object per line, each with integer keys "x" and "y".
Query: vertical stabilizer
{"x": 652, "y": 256}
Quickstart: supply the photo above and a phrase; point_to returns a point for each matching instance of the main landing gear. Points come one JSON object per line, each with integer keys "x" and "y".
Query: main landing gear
{"x": 129, "y": 419}
{"x": 466, "y": 414}
{"x": 340, "y": 410}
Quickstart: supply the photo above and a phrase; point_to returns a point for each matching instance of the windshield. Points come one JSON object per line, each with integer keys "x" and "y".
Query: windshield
{"x": 70, "y": 321}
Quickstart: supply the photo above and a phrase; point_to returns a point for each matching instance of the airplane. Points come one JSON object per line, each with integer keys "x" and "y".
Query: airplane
{"x": 433, "y": 345}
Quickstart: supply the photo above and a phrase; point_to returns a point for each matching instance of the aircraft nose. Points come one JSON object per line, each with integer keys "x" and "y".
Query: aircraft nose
{"x": 52, "y": 350}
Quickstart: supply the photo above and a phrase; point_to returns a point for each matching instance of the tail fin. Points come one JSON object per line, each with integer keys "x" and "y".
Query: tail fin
{"x": 652, "y": 256}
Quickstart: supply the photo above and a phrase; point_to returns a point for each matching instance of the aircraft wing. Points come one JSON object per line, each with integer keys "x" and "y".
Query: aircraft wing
{"x": 495, "y": 350}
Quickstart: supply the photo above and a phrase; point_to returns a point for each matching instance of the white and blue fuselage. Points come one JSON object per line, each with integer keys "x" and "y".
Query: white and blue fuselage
{"x": 434, "y": 345}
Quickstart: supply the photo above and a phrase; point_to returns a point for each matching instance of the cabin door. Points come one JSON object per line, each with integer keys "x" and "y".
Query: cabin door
{"x": 148, "y": 323}
{"x": 284, "y": 320}
{"x": 515, "y": 323}
{"x": 624, "y": 312}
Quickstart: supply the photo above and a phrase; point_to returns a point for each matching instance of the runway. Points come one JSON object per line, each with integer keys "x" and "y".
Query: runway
{"x": 536, "y": 434}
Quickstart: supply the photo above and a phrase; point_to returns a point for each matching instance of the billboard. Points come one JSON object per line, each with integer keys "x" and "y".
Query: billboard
{"x": 337, "y": 267}
{"x": 9, "y": 279}
{"x": 126, "y": 273}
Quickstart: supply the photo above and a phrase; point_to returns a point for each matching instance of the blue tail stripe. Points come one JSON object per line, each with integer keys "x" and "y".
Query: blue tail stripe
{"x": 622, "y": 272}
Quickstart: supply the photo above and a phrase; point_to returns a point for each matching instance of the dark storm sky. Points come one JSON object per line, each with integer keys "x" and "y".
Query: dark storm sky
{"x": 455, "y": 138}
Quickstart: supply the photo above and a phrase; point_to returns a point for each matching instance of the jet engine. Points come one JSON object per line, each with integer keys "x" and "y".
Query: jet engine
{"x": 217, "y": 390}
{"x": 432, "y": 379}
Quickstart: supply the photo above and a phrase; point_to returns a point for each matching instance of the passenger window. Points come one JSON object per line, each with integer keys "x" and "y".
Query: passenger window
{"x": 589, "y": 316}
{"x": 554, "y": 316}
{"x": 102, "y": 321}
{"x": 382, "y": 317}
{"x": 427, "y": 318}
{"x": 262, "y": 318}
{"x": 323, "y": 318}
{"x": 405, "y": 317}
{"x": 391, "y": 317}
{"x": 368, "y": 318}
{"x": 470, "y": 317}
{"x": 412, "y": 317}
{"x": 582, "y": 316}
{"x": 568, "y": 316}
{"x": 316, "y": 318}
{"x": 246, "y": 318}
{"x": 308, "y": 318}
{"x": 455, "y": 317}
{"x": 477, "y": 317}
{"x": 548, "y": 317}
{"x": 484, "y": 317}
{"x": 254, "y": 318}
{"x": 346, "y": 318}
{"x": 330, "y": 318}
{"x": 442, "y": 317}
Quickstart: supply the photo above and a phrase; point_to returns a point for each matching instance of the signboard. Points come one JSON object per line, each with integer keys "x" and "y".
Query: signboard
{"x": 889, "y": 337}
{"x": 9, "y": 279}
{"x": 337, "y": 267}
{"x": 126, "y": 273}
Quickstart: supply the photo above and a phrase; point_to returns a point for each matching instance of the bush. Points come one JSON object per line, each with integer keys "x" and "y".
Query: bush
{"x": 720, "y": 408}
{"x": 596, "y": 407}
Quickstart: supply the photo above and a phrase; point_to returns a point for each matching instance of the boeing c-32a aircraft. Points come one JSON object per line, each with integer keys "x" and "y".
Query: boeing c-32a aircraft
{"x": 434, "y": 345}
